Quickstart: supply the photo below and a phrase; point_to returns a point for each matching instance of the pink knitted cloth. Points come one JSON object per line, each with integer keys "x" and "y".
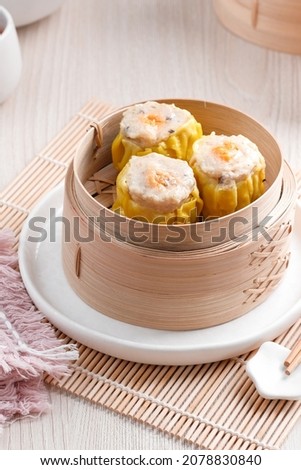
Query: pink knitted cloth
{"x": 28, "y": 345}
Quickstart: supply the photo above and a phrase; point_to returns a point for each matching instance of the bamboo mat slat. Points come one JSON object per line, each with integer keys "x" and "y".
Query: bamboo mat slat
{"x": 212, "y": 406}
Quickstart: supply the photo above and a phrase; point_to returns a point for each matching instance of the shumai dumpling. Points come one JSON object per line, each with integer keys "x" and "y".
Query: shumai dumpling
{"x": 155, "y": 127}
{"x": 158, "y": 189}
{"x": 230, "y": 173}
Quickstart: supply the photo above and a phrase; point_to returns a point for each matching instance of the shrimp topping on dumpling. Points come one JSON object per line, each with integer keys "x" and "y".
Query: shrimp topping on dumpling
{"x": 150, "y": 123}
{"x": 155, "y": 127}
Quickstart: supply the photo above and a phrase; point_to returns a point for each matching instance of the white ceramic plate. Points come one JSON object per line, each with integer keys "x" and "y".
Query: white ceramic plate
{"x": 43, "y": 275}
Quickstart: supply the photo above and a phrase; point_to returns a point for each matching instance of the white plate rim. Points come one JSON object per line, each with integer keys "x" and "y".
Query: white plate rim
{"x": 137, "y": 349}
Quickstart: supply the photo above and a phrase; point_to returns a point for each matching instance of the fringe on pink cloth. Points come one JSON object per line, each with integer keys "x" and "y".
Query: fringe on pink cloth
{"x": 28, "y": 345}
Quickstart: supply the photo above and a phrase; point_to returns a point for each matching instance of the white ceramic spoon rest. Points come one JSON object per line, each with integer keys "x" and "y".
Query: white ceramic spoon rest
{"x": 268, "y": 372}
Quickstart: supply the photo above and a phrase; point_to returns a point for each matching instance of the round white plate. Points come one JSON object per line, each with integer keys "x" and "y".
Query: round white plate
{"x": 43, "y": 276}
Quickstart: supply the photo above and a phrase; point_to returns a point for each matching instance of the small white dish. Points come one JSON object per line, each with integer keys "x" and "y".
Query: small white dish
{"x": 266, "y": 369}
{"x": 44, "y": 278}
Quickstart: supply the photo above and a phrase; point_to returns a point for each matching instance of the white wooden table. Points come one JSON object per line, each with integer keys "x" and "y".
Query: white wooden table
{"x": 123, "y": 51}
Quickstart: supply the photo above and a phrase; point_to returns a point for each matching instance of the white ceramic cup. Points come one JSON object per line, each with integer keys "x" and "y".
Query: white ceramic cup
{"x": 10, "y": 55}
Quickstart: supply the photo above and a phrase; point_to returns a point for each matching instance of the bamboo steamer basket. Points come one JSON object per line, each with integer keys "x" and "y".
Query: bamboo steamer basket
{"x": 209, "y": 274}
{"x": 274, "y": 24}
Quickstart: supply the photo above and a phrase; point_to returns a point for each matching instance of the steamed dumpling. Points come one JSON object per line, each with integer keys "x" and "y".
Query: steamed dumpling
{"x": 158, "y": 189}
{"x": 155, "y": 127}
{"x": 230, "y": 173}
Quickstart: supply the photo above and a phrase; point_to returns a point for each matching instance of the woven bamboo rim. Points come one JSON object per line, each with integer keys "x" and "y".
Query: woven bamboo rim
{"x": 274, "y": 24}
{"x": 160, "y": 288}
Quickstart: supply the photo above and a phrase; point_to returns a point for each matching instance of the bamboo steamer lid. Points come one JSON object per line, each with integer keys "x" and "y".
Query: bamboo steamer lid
{"x": 193, "y": 284}
{"x": 274, "y": 24}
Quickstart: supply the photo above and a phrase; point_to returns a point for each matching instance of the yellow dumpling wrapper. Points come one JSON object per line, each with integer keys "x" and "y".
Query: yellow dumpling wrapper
{"x": 234, "y": 180}
{"x": 220, "y": 200}
{"x": 158, "y": 206}
{"x": 177, "y": 140}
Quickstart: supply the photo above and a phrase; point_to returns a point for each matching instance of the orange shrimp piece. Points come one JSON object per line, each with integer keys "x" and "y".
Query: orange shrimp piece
{"x": 225, "y": 151}
{"x": 159, "y": 178}
{"x": 154, "y": 119}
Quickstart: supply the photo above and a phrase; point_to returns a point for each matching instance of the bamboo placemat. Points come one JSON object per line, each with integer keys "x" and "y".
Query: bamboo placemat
{"x": 213, "y": 406}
